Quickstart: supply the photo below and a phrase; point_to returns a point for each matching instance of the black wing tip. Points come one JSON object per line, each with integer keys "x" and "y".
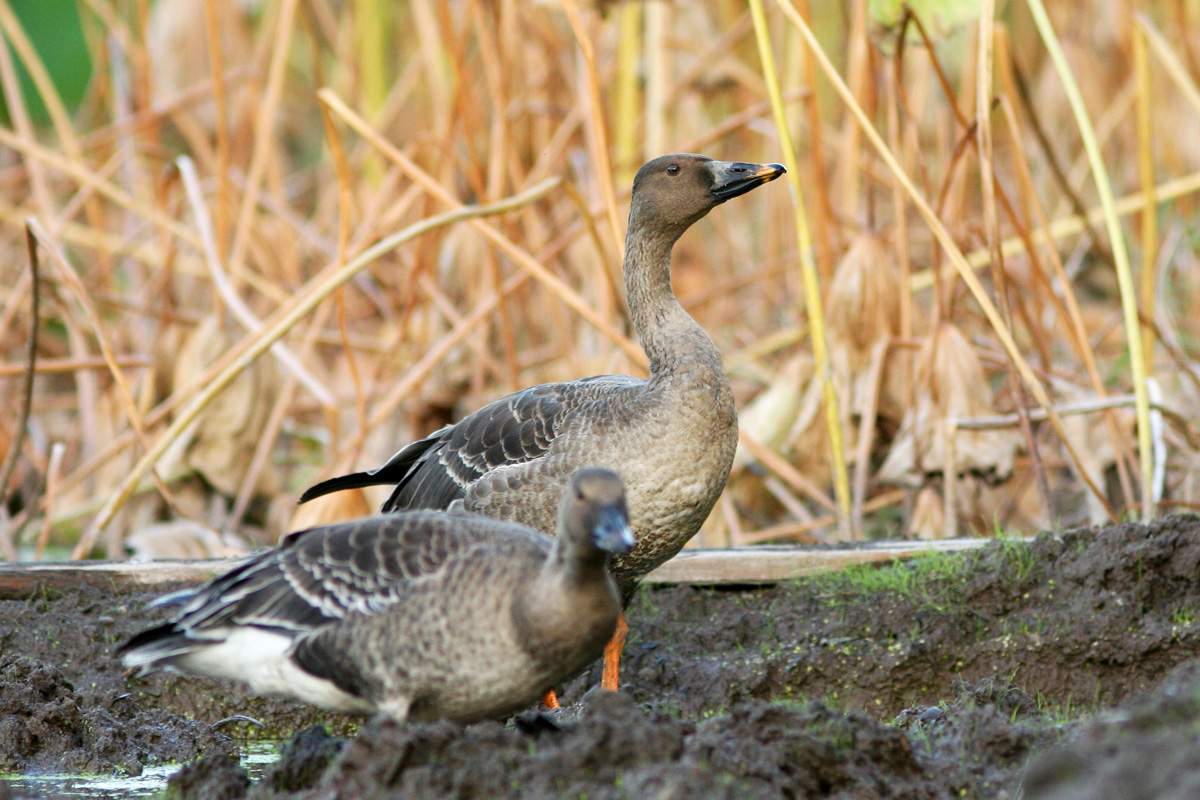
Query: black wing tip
{"x": 148, "y": 637}
{"x": 397, "y": 470}
{"x": 355, "y": 480}
{"x": 313, "y": 492}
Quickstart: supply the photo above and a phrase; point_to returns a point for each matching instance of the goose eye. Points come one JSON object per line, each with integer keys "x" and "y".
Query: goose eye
{"x": 673, "y": 169}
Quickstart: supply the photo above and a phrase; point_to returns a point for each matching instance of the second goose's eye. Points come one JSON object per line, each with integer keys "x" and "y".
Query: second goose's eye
{"x": 673, "y": 169}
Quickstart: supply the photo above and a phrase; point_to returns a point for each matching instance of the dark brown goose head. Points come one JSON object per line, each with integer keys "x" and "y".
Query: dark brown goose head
{"x": 592, "y": 514}
{"x": 673, "y": 191}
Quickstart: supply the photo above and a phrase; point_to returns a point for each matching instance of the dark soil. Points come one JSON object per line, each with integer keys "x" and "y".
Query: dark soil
{"x": 66, "y": 705}
{"x": 47, "y": 723}
{"x": 1147, "y": 748}
{"x": 1063, "y": 664}
{"x": 1082, "y": 619}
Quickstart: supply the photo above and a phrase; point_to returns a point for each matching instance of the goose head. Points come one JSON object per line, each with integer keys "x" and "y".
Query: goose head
{"x": 594, "y": 514}
{"x": 673, "y": 191}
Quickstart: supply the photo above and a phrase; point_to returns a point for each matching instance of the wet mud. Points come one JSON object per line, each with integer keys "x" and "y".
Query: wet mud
{"x": 1059, "y": 669}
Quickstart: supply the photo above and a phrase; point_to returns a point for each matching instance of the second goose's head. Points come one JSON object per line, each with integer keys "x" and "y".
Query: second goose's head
{"x": 593, "y": 513}
{"x": 673, "y": 191}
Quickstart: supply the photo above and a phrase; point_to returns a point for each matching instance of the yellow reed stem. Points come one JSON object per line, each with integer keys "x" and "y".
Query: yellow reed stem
{"x": 1149, "y": 232}
{"x": 1170, "y": 63}
{"x": 1116, "y": 243}
{"x": 629, "y": 48}
{"x": 371, "y": 31}
{"x": 812, "y": 288}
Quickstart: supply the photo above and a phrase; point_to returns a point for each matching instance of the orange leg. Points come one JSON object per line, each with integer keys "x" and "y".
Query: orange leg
{"x": 550, "y": 700}
{"x": 612, "y": 656}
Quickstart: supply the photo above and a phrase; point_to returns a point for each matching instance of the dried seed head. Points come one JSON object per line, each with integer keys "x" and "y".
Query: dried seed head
{"x": 950, "y": 383}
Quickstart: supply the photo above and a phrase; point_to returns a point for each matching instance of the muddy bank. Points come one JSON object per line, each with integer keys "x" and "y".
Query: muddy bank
{"x": 1078, "y": 620}
{"x": 67, "y": 706}
{"x": 610, "y": 747}
{"x": 943, "y": 677}
{"x": 1145, "y": 749}
{"x": 48, "y": 723}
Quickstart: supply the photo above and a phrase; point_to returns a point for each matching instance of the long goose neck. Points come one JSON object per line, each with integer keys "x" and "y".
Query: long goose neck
{"x": 572, "y": 567}
{"x": 671, "y": 338}
{"x": 570, "y": 589}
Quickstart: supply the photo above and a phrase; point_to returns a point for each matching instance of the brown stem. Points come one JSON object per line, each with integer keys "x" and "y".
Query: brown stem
{"x": 10, "y": 461}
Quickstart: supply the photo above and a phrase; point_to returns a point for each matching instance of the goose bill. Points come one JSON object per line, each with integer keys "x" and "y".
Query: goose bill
{"x": 735, "y": 179}
{"x": 612, "y": 532}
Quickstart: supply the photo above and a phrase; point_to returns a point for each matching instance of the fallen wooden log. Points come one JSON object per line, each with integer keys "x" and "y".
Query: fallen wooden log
{"x": 766, "y": 564}
{"x": 698, "y": 566}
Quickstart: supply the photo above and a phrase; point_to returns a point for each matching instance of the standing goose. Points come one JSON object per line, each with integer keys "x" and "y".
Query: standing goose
{"x": 423, "y": 614}
{"x": 671, "y": 437}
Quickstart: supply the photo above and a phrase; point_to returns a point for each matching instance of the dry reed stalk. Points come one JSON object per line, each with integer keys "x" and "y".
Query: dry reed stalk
{"x": 1149, "y": 215}
{"x": 1116, "y": 244}
{"x": 434, "y": 354}
{"x": 858, "y": 68}
{"x": 212, "y": 31}
{"x": 598, "y": 140}
{"x": 53, "y": 470}
{"x": 609, "y": 271}
{"x": 1068, "y": 307}
{"x": 71, "y": 278}
{"x": 733, "y": 525}
{"x": 804, "y": 529}
{"x": 53, "y": 366}
{"x": 275, "y": 419}
{"x": 866, "y": 432}
{"x": 811, "y": 282}
{"x": 264, "y": 124}
{"x": 900, "y": 208}
{"x": 625, "y": 117}
{"x": 790, "y": 475}
{"x": 657, "y": 54}
{"x": 1072, "y": 225}
{"x": 16, "y": 441}
{"x": 495, "y": 72}
{"x": 527, "y": 262}
{"x": 939, "y": 231}
{"x": 164, "y": 108}
{"x": 989, "y": 188}
{"x": 825, "y": 221}
{"x": 228, "y": 291}
{"x": 345, "y": 201}
{"x": 1185, "y": 83}
{"x": 259, "y": 342}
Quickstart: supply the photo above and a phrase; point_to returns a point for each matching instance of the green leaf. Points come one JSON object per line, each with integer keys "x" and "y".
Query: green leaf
{"x": 55, "y": 29}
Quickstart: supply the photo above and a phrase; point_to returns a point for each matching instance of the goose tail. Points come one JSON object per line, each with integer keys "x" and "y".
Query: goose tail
{"x": 355, "y": 480}
{"x": 156, "y": 648}
{"x": 394, "y": 471}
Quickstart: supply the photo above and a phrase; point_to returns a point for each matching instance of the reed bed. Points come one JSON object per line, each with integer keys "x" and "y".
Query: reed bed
{"x": 247, "y": 245}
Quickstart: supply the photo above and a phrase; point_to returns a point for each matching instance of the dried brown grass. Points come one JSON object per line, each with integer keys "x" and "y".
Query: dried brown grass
{"x": 311, "y": 143}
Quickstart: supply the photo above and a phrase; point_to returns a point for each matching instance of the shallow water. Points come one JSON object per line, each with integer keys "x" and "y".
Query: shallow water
{"x": 255, "y": 758}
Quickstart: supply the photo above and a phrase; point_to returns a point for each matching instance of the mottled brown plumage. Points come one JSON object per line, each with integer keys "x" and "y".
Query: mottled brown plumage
{"x": 420, "y": 614}
{"x": 671, "y": 437}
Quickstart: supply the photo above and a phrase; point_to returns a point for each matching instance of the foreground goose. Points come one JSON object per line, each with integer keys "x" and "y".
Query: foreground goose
{"x": 421, "y": 615}
{"x": 671, "y": 437}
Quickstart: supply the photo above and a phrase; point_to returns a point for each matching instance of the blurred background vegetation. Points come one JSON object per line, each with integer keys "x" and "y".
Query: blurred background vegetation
{"x": 317, "y": 127}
